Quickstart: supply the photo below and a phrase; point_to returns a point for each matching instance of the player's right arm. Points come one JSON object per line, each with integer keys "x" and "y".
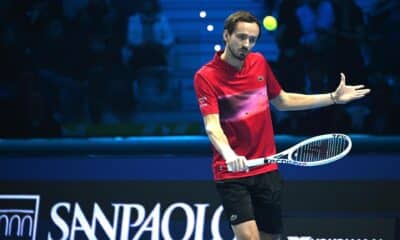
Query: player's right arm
{"x": 220, "y": 142}
{"x": 208, "y": 103}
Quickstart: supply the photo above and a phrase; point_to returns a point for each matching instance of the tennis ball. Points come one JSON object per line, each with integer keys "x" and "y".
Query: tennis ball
{"x": 270, "y": 23}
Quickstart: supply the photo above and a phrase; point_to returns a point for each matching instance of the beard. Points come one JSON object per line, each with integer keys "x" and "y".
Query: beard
{"x": 241, "y": 55}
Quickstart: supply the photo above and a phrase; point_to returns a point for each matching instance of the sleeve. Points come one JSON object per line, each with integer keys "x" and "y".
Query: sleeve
{"x": 273, "y": 86}
{"x": 206, "y": 96}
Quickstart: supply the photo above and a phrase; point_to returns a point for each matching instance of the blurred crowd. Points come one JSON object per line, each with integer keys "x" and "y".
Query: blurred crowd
{"x": 96, "y": 63}
{"x": 317, "y": 40}
{"x": 101, "y": 61}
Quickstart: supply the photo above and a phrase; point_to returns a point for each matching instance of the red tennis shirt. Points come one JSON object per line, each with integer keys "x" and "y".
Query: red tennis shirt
{"x": 241, "y": 98}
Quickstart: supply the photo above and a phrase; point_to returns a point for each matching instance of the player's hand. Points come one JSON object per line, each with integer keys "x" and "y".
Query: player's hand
{"x": 238, "y": 164}
{"x": 346, "y": 93}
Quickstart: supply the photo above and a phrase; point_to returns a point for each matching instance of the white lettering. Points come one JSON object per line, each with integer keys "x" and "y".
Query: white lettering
{"x": 156, "y": 224}
{"x": 126, "y": 216}
{"x": 299, "y": 238}
{"x": 323, "y": 238}
{"x": 154, "y": 221}
{"x": 79, "y": 218}
{"x": 61, "y": 224}
{"x": 200, "y": 219}
{"x": 98, "y": 216}
{"x": 215, "y": 224}
{"x": 189, "y": 223}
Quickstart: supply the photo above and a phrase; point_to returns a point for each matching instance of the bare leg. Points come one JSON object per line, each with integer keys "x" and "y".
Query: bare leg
{"x": 268, "y": 236}
{"x": 246, "y": 231}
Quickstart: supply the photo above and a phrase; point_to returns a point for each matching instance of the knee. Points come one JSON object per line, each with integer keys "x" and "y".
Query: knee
{"x": 248, "y": 235}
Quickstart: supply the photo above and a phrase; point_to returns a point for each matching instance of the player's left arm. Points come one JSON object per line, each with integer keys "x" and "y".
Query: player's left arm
{"x": 287, "y": 101}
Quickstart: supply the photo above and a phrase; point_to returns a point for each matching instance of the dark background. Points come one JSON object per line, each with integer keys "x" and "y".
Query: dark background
{"x": 72, "y": 69}
{"x": 86, "y": 116}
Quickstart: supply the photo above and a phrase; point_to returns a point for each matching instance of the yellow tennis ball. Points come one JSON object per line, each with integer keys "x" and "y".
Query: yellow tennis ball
{"x": 270, "y": 23}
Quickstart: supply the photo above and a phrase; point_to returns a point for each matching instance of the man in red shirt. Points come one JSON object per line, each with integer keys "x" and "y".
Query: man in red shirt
{"x": 234, "y": 92}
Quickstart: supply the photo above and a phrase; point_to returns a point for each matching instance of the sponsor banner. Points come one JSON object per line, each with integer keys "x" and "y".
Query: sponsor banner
{"x": 147, "y": 210}
{"x": 343, "y": 228}
{"x": 19, "y": 216}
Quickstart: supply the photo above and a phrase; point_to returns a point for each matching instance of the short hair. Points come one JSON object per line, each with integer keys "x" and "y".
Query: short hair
{"x": 240, "y": 16}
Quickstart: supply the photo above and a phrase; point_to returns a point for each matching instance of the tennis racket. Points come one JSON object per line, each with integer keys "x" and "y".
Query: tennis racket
{"x": 315, "y": 151}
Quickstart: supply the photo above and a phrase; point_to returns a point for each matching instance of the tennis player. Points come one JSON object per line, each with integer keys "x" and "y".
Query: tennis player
{"x": 234, "y": 92}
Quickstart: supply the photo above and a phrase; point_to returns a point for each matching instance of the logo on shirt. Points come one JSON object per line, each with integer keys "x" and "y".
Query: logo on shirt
{"x": 260, "y": 78}
{"x": 203, "y": 101}
{"x": 233, "y": 217}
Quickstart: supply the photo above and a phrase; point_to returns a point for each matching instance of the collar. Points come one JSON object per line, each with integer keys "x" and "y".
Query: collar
{"x": 221, "y": 63}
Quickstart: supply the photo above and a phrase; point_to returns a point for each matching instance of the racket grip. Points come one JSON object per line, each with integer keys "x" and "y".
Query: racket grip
{"x": 256, "y": 162}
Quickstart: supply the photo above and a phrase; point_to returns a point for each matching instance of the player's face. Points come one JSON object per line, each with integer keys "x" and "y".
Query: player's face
{"x": 242, "y": 39}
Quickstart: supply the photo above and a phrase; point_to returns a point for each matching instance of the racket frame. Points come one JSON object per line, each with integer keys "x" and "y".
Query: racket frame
{"x": 286, "y": 156}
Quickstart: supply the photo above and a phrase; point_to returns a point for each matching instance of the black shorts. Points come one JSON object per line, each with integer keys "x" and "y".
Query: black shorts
{"x": 253, "y": 198}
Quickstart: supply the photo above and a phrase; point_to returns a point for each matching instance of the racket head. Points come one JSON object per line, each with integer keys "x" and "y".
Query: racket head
{"x": 320, "y": 150}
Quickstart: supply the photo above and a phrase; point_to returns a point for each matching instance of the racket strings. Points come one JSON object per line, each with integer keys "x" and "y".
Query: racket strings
{"x": 321, "y": 149}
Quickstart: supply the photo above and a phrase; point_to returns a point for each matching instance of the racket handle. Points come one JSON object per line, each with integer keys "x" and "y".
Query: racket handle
{"x": 257, "y": 162}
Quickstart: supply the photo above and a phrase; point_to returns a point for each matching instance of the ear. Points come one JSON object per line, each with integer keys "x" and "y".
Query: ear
{"x": 225, "y": 35}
